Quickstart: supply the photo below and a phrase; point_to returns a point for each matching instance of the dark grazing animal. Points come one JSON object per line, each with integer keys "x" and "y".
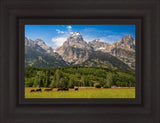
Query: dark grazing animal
{"x": 62, "y": 89}
{"x": 38, "y": 90}
{"x": 76, "y": 89}
{"x": 48, "y": 89}
{"x": 59, "y": 89}
{"x": 65, "y": 89}
{"x": 32, "y": 90}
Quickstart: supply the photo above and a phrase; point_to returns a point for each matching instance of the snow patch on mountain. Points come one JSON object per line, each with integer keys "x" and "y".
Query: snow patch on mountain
{"x": 76, "y": 34}
{"x": 101, "y": 48}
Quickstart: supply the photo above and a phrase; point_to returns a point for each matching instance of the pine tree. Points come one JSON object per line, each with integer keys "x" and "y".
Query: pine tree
{"x": 71, "y": 83}
{"x": 109, "y": 80}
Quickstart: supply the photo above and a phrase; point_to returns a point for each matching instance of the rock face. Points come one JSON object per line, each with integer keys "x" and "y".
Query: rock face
{"x": 42, "y": 44}
{"x": 124, "y": 49}
{"x": 127, "y": 56}
{"x": 37, "y": 53}
{"x": 76, "y": 41}
{"x": 97, "y": 45}
{"x": 74, "y": 55}
{"x": 29, "y": 42}
{"x": 105, "y": 60}
{"x": 39, "y": 45}
{"x": 127, "y": 43}
{"x": 37, "y": 59}
{"x": 76, "y": 51}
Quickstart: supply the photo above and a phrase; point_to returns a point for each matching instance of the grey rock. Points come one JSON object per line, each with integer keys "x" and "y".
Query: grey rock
{"x": 76, "y": 51}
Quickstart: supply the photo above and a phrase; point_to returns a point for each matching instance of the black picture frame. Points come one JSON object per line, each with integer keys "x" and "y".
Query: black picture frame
{"x": 34, "y": 21}
{"x": 15, "y": 13}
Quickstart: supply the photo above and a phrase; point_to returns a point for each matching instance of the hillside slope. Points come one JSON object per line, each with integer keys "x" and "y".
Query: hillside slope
{"x": 37, "y": 59}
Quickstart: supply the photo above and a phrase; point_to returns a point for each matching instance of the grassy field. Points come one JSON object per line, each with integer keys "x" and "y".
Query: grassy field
{"x": 83, "y": 93}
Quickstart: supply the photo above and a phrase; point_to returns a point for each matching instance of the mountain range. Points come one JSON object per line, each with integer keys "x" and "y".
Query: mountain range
{"x": 75, "y": 51}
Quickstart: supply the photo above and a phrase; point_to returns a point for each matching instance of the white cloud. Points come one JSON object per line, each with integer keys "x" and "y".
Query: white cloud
{"x": 59, "y": 31}
{"x": 69, "y": 27}
{"x": 59, "y": 41}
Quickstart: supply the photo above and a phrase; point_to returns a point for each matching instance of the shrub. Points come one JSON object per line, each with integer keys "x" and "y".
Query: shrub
{"x": 106, "y": 86}
{"x": 97, "y": 85}
{"x": 28, "y": 84}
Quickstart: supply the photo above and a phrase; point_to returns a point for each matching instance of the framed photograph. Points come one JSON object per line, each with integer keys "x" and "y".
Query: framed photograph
{"x": 74, "y": 67}
{"x": 80, "y": 61}
{"x": 72, "y": 61}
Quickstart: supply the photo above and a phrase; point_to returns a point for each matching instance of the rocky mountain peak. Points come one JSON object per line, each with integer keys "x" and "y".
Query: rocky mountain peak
{"x": 74, "y": 40}
{"x": 96, "y": 40}
{"x": 29, "y": 42}
{"x": 127, "y": 39}
{"x": 26, "y": 38}
{"x": 38, "y": 45}
{"x": 127, "y": 43}
{"x": 40, "y": 42}
{"x": 77, "y": 51}
{"x": 97, "y": 44}
{"x": 76, "y": 36}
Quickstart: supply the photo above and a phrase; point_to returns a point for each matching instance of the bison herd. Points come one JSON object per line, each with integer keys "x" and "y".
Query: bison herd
{"x": 50, "y": 89}
{"x": 36, "y": 90}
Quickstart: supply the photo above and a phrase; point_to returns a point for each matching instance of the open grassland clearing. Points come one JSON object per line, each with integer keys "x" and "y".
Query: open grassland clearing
{"x": 83, "y": 92}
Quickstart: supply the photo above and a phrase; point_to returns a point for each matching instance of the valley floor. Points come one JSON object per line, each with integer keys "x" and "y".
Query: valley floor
{"x": 85, "y": 92}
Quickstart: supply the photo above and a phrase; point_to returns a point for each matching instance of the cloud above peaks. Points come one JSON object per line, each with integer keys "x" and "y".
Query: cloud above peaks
{"x": 59, "y": 41}
{"x": 59, "y": 31}
{"x": 69, "y": 27}
{"x": 62, "y": 37}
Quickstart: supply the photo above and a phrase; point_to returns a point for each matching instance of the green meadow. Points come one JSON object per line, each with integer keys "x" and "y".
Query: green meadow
{"x": 83, "y": 93}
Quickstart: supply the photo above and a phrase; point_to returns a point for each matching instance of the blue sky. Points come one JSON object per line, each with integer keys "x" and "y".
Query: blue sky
{"x": 55, "y": 35}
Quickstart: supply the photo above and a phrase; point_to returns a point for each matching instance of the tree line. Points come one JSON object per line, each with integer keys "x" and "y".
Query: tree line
{"x": 69, "y": 77}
